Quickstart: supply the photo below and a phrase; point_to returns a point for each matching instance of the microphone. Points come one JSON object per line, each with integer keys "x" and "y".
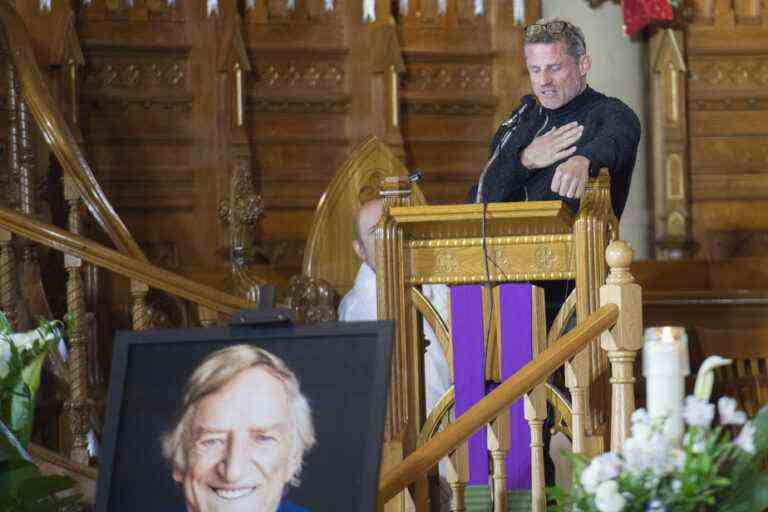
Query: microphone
{"x": 415, "y": 176}
{"x": 510, "y": 125}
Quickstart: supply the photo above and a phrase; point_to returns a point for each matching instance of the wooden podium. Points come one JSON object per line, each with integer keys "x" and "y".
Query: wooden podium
{"x": 531, "y": 241}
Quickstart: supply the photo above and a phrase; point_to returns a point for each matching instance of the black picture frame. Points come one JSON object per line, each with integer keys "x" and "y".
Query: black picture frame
{"x": 342, "y": 368}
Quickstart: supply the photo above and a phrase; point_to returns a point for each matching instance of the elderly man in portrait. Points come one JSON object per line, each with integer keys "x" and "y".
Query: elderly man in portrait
{"x": 242, "y": 433}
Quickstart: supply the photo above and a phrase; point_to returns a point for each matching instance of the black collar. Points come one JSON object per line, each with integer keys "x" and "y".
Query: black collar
{"x": 584, "y": 98}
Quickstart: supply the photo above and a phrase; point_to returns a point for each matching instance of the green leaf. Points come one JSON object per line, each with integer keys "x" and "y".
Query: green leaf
{"x": 18, "y": 411}
{"x": 35, "y": 489}
{"x": 10, "y": 447}
{"x": 749, "y": 495}
{"x": 13, "y": 473}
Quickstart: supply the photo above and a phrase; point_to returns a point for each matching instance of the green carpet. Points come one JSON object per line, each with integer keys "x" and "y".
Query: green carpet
{"x": 478, "y": 499}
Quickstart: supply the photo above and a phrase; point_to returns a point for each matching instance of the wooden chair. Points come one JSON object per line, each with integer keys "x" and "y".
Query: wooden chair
{"x": 330, "y": 263}
{"x": 746, "y": 379}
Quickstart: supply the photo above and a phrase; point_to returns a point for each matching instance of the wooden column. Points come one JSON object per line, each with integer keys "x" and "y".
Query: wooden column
{"x": 208, "y": 317}
{"x": 457, "y": 474}
{"x": 670, "y": 159}
{"x": 7, "y": 277}
{"x": 624, "y": 340}
{"x": 140, "y": 312}
{"x": 498, "y": 445}
{"x": 77, "y": 408}
{"x": 536, "y": 414}
{"x": 405, "y": 413}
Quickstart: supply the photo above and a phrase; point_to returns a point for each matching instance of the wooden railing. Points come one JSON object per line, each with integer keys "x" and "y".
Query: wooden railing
{"x": 156, "y": 277}
{"x": 535, "y": 372}
{"x": 38, "y": 98}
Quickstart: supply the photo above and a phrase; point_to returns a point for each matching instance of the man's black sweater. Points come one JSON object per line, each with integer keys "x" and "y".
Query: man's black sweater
{"x": 610, "y": 138}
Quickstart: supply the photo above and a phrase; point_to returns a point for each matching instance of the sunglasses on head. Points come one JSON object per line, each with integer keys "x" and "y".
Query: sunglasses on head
{"x": 553, "y": 28}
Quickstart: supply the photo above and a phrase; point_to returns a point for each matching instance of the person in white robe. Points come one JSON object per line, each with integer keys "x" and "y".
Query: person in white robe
{"x": 359, "y": 303}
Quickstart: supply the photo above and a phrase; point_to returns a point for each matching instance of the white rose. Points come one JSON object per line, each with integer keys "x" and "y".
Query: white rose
{"x": 746, "y": 438}
{"x": 607, "y": 497}
{"x": 698, "y": 412}
{"x": 726, "y": 407}
{"x": 603, "y": 467}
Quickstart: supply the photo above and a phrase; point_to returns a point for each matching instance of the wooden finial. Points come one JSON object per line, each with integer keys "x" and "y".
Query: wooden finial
{"x": 619, "y": 255}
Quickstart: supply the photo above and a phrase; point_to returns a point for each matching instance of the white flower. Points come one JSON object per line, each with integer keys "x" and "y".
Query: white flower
{"x": 22, "y": 341}
{"x": 607, "y": 497}
{"x": 603, "y": 467}
{"x": 641, "y": 416}
{"x": 746, "y": 438}
{"x": 705, "y": 379}
{"x": 655, "y": 454}
{"x": 698, "y": 412}
{"x": 726, "y": 407}
{"x": 642, "y": 431}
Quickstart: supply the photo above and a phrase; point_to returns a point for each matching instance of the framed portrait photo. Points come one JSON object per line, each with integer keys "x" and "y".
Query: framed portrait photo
{"x": 231, "y": 419}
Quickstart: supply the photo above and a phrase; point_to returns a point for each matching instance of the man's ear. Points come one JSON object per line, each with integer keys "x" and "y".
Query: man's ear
{"x": 177, "y": 475}
{"x": 359, "y": 249}
{"x": 585, "y": 64}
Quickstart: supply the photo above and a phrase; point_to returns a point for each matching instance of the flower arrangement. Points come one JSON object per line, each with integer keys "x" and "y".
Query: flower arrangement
{"x": 706, "y": 470}
{"x": 22, "y": 486}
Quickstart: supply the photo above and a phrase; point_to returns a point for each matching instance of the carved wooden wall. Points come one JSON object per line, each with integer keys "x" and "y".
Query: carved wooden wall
{"x": 173, "y": 99}
{"x": 465, "y": 74}
{"x": 711, "y": 131}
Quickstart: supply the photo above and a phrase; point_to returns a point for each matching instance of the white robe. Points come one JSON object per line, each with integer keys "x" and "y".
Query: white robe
{"x": 359, "y": 304}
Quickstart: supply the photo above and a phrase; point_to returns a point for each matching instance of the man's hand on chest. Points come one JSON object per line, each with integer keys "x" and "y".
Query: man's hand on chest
{"x": 552, "y": 146}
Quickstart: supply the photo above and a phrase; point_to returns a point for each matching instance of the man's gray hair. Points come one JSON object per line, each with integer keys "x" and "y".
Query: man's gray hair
{"x": 571, "y": 35}
{"x": 218, "y": 369}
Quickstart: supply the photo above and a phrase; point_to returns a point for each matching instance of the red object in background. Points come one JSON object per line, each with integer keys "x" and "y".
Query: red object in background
{"x": 639, "y": 13}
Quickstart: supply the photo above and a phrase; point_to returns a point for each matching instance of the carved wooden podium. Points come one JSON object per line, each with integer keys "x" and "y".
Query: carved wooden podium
{"x": 532, "y": 241}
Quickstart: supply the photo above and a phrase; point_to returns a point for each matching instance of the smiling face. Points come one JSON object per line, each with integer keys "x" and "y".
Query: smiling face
{"x": 241, "y": 453}
{"x": 556, "y": 77}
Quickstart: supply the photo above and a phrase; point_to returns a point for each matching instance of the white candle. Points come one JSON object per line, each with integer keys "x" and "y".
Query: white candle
{"x": 665, "y": 366}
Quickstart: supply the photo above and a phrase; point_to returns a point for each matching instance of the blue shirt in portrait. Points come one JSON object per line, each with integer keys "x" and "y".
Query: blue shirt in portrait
{"x": 287, "y": 506}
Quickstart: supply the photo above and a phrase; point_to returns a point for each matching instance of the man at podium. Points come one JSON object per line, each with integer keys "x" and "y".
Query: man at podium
{"x": 564, "y": 133}
{"x": 559, "y": 137}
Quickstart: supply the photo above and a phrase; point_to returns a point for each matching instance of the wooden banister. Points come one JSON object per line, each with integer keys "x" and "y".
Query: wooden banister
{"x": 426, "y": 457}
{"x": 58, "y": 133}
{"x": 127, "y": 266}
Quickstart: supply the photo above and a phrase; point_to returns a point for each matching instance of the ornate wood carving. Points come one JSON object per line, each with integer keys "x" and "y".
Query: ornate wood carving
{"x": 723, "y": 73}
{"x": 671, "y": 195}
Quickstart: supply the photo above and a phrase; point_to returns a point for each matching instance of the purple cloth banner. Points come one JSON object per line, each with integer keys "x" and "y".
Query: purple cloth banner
{"x": 516, "y": 333}
{"x": 468, "y": 362}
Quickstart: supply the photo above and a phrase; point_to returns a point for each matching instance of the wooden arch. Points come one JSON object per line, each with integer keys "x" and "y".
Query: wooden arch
{"x": 328, "y": 254}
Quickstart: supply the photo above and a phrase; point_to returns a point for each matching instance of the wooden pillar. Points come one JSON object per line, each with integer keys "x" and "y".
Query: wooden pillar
{"x": 140, "y": 311}
{"x": 498, "y": 445}
{"x": 208, "y": 317}
{"x": 670, "y": 156}
{"x": 77, "y": 408}
{"x": 457, "y": 474}
{"x": 624, "y": 340}
{"x": 7, "y": 277}
{"x": 536, "y": 414}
